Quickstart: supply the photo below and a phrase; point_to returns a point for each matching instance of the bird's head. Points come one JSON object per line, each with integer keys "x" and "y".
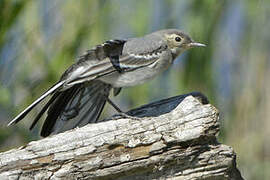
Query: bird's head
{"x": 178, "y": 41}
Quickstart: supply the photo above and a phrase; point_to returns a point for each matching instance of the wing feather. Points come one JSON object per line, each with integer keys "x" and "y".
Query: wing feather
{"x": 109, "y": 58}
{"x": 84, "y": 106}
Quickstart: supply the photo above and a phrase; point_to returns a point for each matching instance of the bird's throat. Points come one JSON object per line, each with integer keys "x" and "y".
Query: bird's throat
{"x": 176, "y": 52}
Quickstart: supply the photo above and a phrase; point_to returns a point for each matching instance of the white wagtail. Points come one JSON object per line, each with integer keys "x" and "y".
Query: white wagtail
{"x": 81, "y": 93}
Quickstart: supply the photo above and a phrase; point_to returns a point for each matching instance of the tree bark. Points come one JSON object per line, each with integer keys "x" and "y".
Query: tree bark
{"x": 173, "y": 138}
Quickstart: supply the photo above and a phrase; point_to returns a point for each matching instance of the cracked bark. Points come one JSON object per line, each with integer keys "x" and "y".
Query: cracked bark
{"x": 174, "y": 138}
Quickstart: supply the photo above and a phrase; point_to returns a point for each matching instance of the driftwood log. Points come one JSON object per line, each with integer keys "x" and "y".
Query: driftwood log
{"x": 174, "y": 138}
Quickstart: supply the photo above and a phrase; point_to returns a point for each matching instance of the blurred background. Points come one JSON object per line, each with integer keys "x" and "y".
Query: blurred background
{"x": 40, "y": 39}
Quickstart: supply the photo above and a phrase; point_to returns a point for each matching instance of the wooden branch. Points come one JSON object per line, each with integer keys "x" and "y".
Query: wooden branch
{"x": 173, "y": 138}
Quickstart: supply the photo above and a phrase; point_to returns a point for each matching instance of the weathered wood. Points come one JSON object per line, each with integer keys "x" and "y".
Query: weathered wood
{"x": 173, "y": 139}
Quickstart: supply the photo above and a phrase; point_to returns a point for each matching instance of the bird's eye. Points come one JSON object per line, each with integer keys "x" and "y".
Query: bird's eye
{"x": 177, "y": 39}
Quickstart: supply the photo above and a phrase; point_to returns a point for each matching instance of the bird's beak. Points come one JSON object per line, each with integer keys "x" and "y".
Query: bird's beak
{"x": 195, "y": 44}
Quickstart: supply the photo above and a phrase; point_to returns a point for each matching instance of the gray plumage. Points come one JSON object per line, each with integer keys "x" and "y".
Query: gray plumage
{"x": 82, "y": 91}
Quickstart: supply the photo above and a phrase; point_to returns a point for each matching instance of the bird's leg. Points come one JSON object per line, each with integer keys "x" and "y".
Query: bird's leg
{"x": 114, "y": 105}
{"x": 120, "y": 114}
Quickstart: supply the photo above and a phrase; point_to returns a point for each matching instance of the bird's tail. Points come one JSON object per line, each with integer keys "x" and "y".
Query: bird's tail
{"x": 30, "y": 107}
{"x": 74, "y": 107}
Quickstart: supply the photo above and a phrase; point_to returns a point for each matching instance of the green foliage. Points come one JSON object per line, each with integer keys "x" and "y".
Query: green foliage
{"x": 9, "y": 12}
{"x": 4, "y": 95}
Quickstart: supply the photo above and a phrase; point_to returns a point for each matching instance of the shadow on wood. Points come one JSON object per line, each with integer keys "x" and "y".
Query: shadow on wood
{"x": 174, "y": 138}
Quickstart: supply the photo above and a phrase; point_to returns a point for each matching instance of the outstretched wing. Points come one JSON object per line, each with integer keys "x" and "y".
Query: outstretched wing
{"x": 76, "y": 107}
{"x": 110, "y": 57}
{"x": 92, "y": 58}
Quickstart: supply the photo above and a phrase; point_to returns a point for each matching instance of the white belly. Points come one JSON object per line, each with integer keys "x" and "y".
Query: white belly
{"x": 137, "y": 76}
{"x": 131, "y": 78}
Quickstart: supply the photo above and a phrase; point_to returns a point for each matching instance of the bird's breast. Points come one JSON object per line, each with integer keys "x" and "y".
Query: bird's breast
{"x": 137, "y": 76}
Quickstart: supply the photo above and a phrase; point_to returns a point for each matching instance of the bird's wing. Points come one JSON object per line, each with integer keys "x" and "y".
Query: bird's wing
{"x": 92, "y": 58}
{"x": 107, "y": 58}
{"x": 76, "y": 107}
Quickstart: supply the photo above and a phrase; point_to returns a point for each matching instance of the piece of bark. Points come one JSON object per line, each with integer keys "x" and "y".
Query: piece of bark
{"x": 174, "y": 138}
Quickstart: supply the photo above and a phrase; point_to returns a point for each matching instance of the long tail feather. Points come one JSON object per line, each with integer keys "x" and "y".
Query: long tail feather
{"x": 76, "y": 107}
{"x": 43, "y": 110}
{"x": 56, "y": 108}
{"x": 30, "y": 107}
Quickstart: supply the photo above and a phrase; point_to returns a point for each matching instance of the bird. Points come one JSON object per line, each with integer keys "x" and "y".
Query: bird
{"x": 79, "y": 96}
